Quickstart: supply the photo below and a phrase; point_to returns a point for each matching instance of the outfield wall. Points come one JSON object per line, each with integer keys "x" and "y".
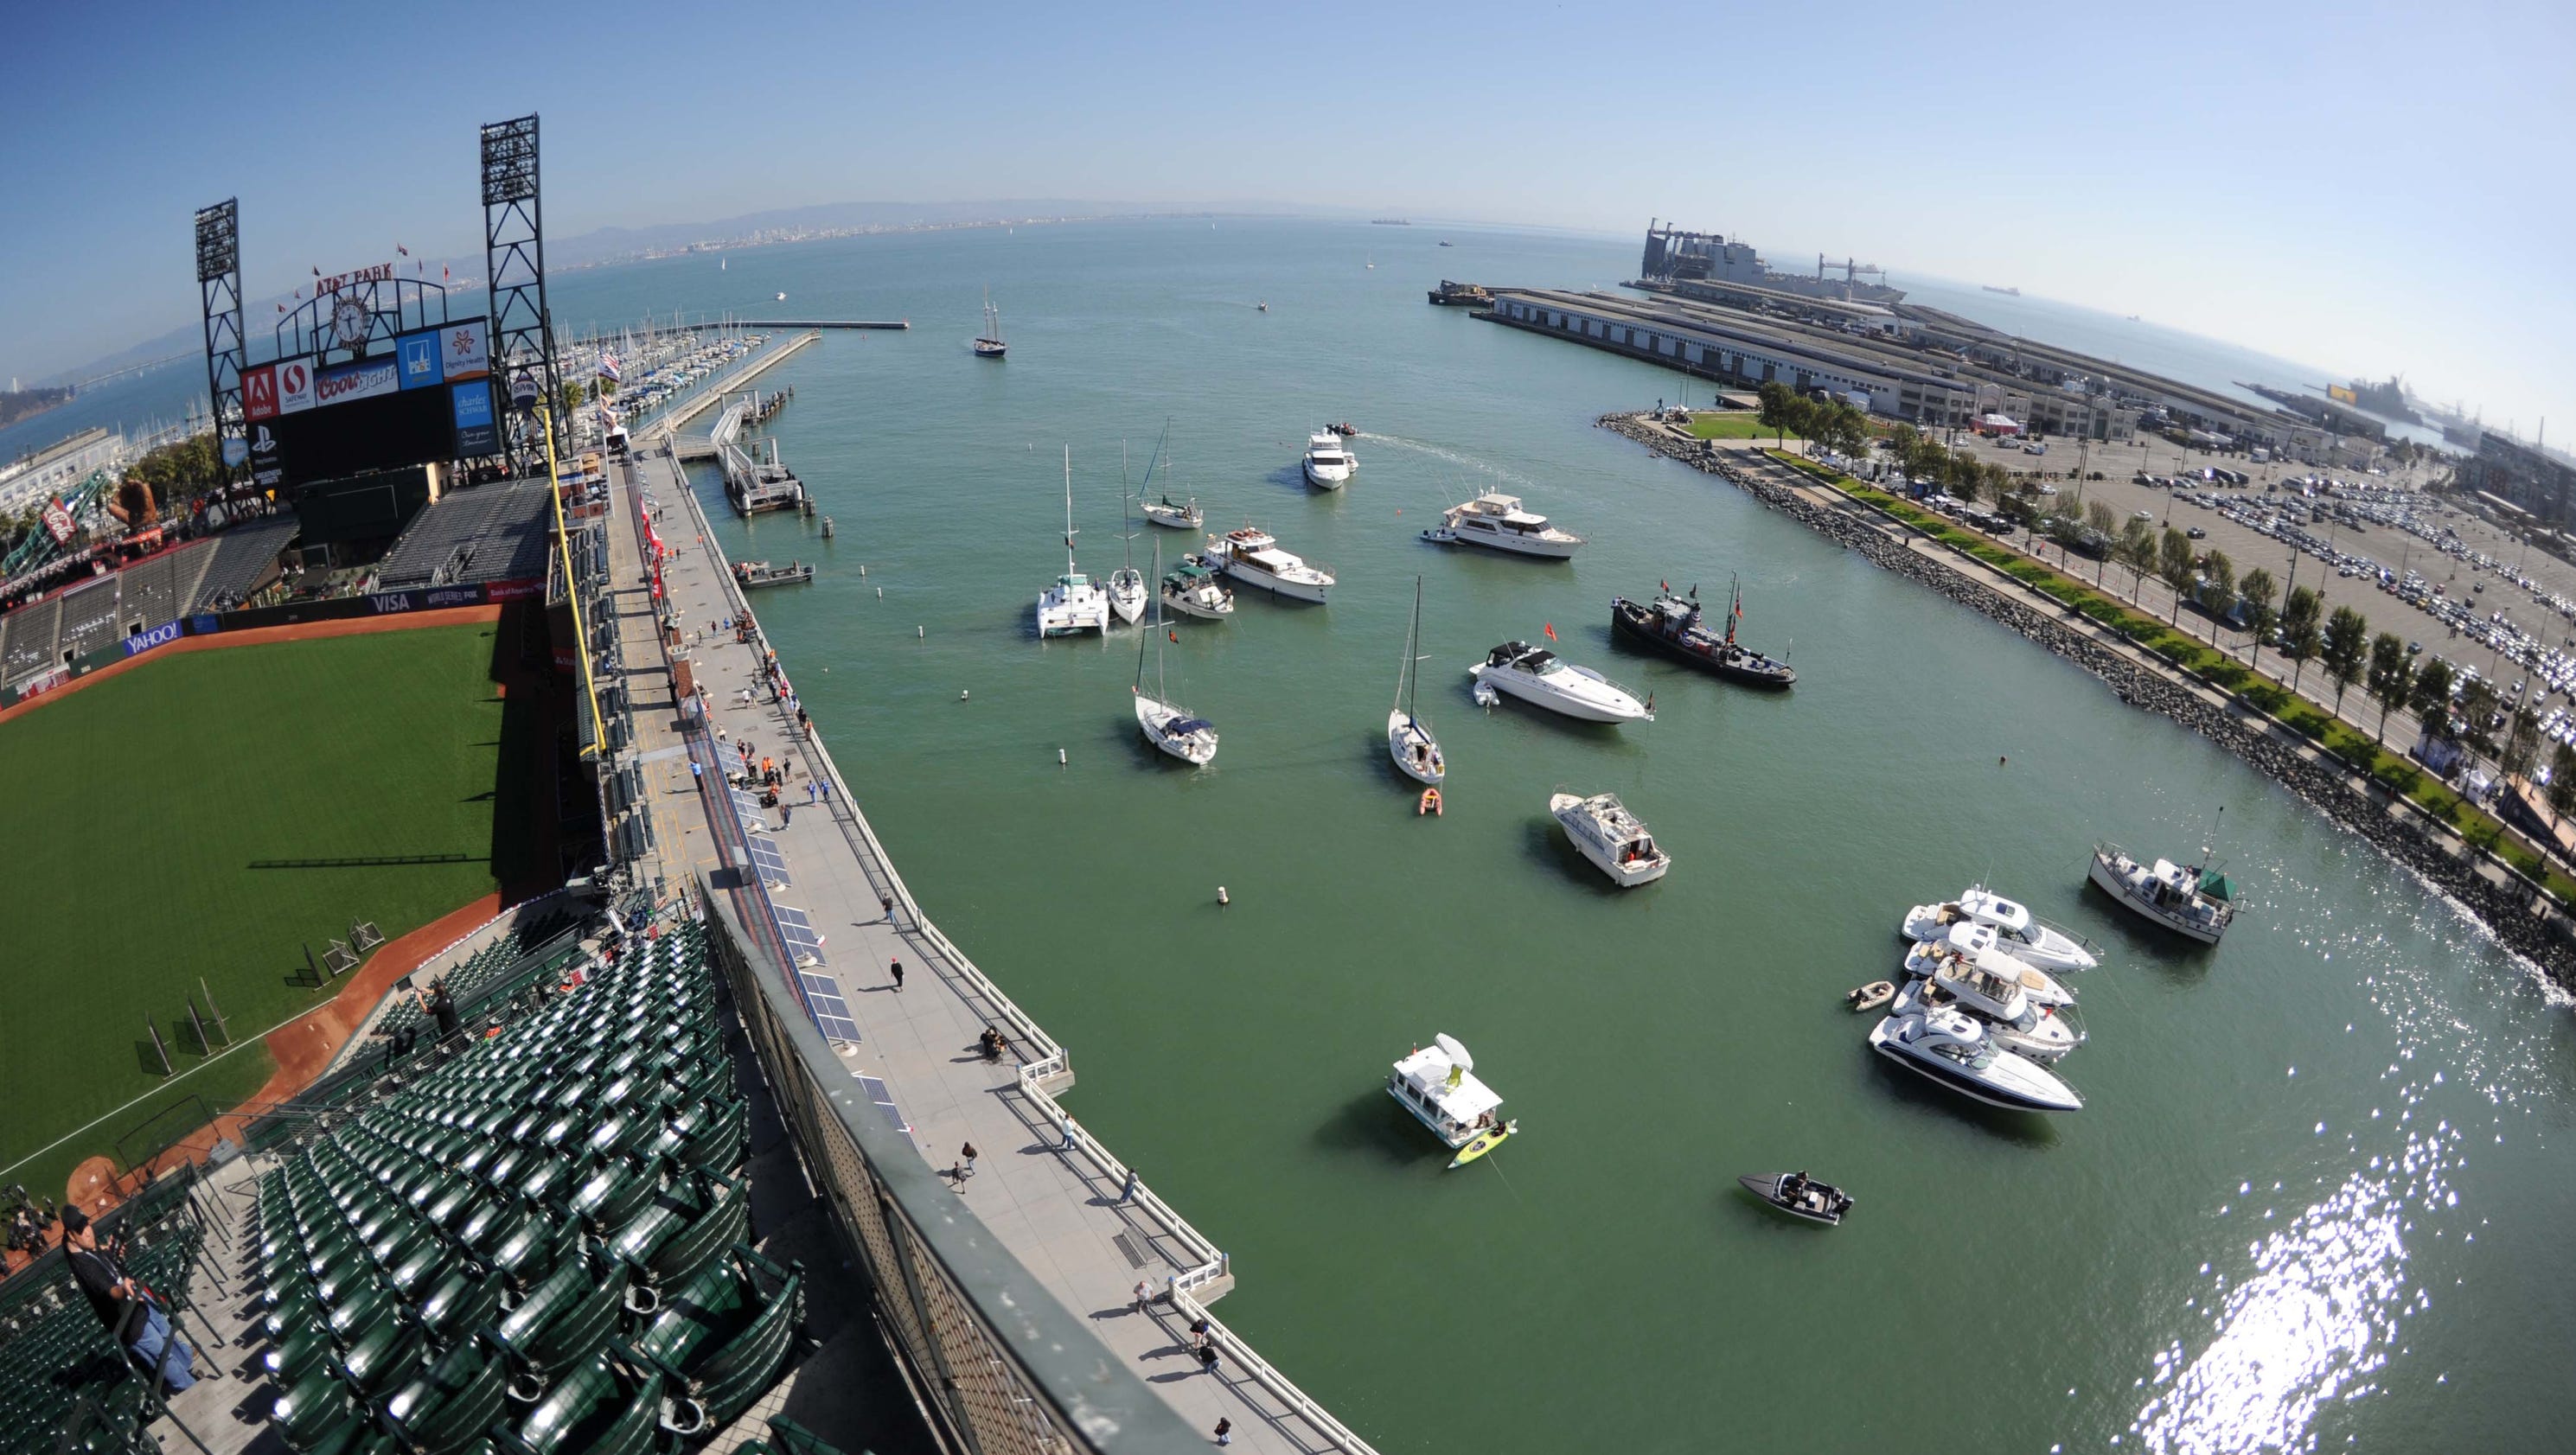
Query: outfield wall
{"x": 419, "y": 599}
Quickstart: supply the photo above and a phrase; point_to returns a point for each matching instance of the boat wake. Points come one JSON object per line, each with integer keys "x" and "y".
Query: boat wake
{"x": 1443, "y": 452}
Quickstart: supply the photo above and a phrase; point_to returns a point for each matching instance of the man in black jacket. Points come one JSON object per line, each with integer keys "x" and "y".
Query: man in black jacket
{"x": 147, "y": 1335}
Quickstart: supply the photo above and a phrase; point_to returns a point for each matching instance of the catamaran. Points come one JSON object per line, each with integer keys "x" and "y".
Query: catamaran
{"x": 1166, "y": 724}
{"x": 1408, "y": 738}
{"x": 1072, "y": 604}
{"x": 988, "y": 345}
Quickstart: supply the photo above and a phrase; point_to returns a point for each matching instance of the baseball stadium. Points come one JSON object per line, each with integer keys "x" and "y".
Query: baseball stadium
{"x": 411, "y": 1048}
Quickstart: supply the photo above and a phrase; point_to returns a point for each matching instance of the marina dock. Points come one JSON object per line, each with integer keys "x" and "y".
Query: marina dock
{"x": 1057, "y": 1202}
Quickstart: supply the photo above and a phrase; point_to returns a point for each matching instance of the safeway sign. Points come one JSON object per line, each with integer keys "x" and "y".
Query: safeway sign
{"x": 294, "y": 385}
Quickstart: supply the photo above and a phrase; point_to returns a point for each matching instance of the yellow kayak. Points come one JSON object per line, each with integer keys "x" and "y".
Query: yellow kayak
{"x": 1483, "y": 1144}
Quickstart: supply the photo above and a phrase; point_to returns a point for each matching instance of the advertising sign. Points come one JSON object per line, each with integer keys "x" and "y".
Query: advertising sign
{"x": 142, "y": 642}
{"x": 475, "y": 434}
{"x": 294, "y": 385}
{"x": 259, "y": 392}
{"x": 417, "y": 356}
{"x": 460, "y": 351}
{"x": 363, "y": 380}
{"x": 264, "y": 469}
{"x": 58, "y": 521}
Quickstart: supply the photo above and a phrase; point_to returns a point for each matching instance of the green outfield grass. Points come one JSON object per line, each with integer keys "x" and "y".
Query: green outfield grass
{"x": 176, "y": 823}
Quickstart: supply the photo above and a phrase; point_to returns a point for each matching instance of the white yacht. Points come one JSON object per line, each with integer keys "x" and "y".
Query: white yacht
{"x": 1193, "y": 590}
{"x": 1329, "y": 462}
{"x": 1408, "y": 738}
{"x": 1498, "y": 522}
{"x": 2184, "y": 898}
{"x": 1611, "y": 837}
{"x": 1438, "y": 1084}
{"x": 2018, "y": 932}
{"x": 1536, "y": 675}
{"x": 1073, "y": 604}
{"x": 2041, "y": 1032}
{"x": 1166, "y": 724}
{"x": 1952, "y": 1048}
{"x": 1975, "y": 945}
{"x": 1253, "y": 556}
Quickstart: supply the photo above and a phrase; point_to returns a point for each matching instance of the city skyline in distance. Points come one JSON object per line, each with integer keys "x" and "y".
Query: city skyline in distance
{"x": 2315, "y": 182}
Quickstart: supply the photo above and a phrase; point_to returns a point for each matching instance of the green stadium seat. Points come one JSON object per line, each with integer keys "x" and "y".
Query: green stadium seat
{"x": 685, "y": 1226}
{"x": 603, "y": 1406}
{"x": 447, "y": 1408}
{"x": 566, "y": 1318}
{"x": 723, "y": 1335}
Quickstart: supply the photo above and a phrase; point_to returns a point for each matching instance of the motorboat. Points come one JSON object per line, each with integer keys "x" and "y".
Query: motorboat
{"x": 1183, "y": 516}
{"x": 1074, "y": 603}
{"x": 1611, "y": 837}
{"x": 988, "y": 344}
{"x": 1672, "y": 625}
{"x": 1976, "y": 945}
{"x": 1252, "y": 555}
{"x": 1499, "y": 523}
{"x": 1408, "y": 738}
{"x": 1166, "y": 724}
{"x": 754, "y": 574}
{"x": 1952, "y": 1047}
{"x": 1800, "y": 1196}
{"x": 1537, "y": 676}
{"x": 2018, "y": 932}
{"x": 1193, "y": 590}
{"x": 1329, "y": 462}
{"x": 1437, "y": 1083}
{"x": 2185, "y": 898}
{"x": 2041, "y": 1032}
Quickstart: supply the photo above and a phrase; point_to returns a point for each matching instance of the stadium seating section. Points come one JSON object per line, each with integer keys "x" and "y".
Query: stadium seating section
{"x": 491, "y": 533}
{"x": 58, "y": 1369}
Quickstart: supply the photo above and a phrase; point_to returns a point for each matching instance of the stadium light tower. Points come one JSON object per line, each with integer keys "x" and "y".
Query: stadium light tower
{"x": 514, "y": 256}
{"x": 219, "y": 294}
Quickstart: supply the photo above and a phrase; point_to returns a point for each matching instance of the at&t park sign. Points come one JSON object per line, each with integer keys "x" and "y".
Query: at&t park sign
{"x": 377, "y": 273}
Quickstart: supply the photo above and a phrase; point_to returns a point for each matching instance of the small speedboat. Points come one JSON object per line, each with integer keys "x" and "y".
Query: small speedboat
{"x": 2018, "y": 932}
{"x": 1193, "y": 590}
{"x": 1536, "y": 675}
{"x": 1974, "y": 945}
{"x": 1800, "y": 1196}
{"x": 2043, "y": 1033}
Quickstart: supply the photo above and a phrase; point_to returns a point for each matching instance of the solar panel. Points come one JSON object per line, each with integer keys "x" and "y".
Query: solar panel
{"x": 803, "y": 944}
{"x": 771, "y": 864}
{"x": 831, "y": 1012}
{"x": 884, "y": 1100}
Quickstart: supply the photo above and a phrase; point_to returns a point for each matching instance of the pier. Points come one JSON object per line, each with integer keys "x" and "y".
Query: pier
{"x": 668, "y": 422}
{"x": 1047, "y": 1202}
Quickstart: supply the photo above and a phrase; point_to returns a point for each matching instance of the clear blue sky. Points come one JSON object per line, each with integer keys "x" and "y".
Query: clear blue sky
{"x": 2374, "y": 186}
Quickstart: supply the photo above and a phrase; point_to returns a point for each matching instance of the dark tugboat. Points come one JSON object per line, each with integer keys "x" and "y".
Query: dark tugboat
{"x": 1672, "y": 625}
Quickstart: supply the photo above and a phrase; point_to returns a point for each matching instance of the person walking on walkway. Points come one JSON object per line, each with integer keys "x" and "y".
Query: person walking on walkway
{"x": 1064, "y": 1124}
{"x": 697, "y": 771}
{"x": 809, "y": 793}
{"x": 1225, "y": 1432}
{"x": 1144, "y": 1293}
{"x": 895, "y": 968}
{"x": 1207, "y": 1358}
{"x": 1128, "y": 1193}
{"x": 1199, "y": 1332}
{"x": 966, "y": 1162}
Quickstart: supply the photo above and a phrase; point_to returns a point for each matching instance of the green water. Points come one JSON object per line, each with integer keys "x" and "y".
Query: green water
{"x": 2311, "y": 1203}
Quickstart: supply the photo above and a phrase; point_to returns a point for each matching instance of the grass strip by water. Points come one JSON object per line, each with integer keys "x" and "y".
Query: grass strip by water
{"x": 2217, "y": 669}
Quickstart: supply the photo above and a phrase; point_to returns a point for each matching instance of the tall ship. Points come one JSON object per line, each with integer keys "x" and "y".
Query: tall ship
{"x": 1675, "y": 256}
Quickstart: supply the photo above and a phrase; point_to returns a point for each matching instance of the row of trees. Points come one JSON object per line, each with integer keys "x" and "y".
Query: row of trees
{"x": 1836, "y": 424}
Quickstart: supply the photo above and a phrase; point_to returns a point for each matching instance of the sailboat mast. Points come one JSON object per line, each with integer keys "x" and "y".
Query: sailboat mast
{"x": 1068, "y": 510}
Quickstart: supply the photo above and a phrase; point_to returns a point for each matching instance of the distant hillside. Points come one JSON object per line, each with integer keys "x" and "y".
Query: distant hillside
{"x": 19, "y": 404}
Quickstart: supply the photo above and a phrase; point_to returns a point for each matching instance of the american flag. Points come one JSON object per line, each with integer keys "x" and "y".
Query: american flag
{"x": 608, "y": 367}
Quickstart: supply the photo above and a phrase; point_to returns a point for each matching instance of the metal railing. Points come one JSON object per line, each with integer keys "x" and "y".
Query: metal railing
{"x": 1049, "y": 1067}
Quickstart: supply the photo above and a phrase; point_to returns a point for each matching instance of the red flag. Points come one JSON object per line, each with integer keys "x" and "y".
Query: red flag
{"x": 1175, "y": 636}
{"x": 1667, "y": 585}
{"x": 1550, "y": 629}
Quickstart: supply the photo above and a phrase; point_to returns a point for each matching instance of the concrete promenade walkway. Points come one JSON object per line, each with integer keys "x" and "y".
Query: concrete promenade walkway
{"x": 1062, "y": 1213}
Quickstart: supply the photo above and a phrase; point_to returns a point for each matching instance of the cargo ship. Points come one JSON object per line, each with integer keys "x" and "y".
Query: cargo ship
{"x": 1462, "y": 295}
{"x": 1675, "y": 256}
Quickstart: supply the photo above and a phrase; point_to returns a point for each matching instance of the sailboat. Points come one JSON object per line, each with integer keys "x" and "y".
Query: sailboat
{"x": 1408, "y": 737}
{"x": 989, "y": 345}
{"x": 1126, "y": 587}
{"x": 1372, "y": 262}
{"x": 1185, "y": 516}
{"x": 1168, "y": 725}
{"x": 1072, "y": 604}
{"x": 723, "y": 263}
